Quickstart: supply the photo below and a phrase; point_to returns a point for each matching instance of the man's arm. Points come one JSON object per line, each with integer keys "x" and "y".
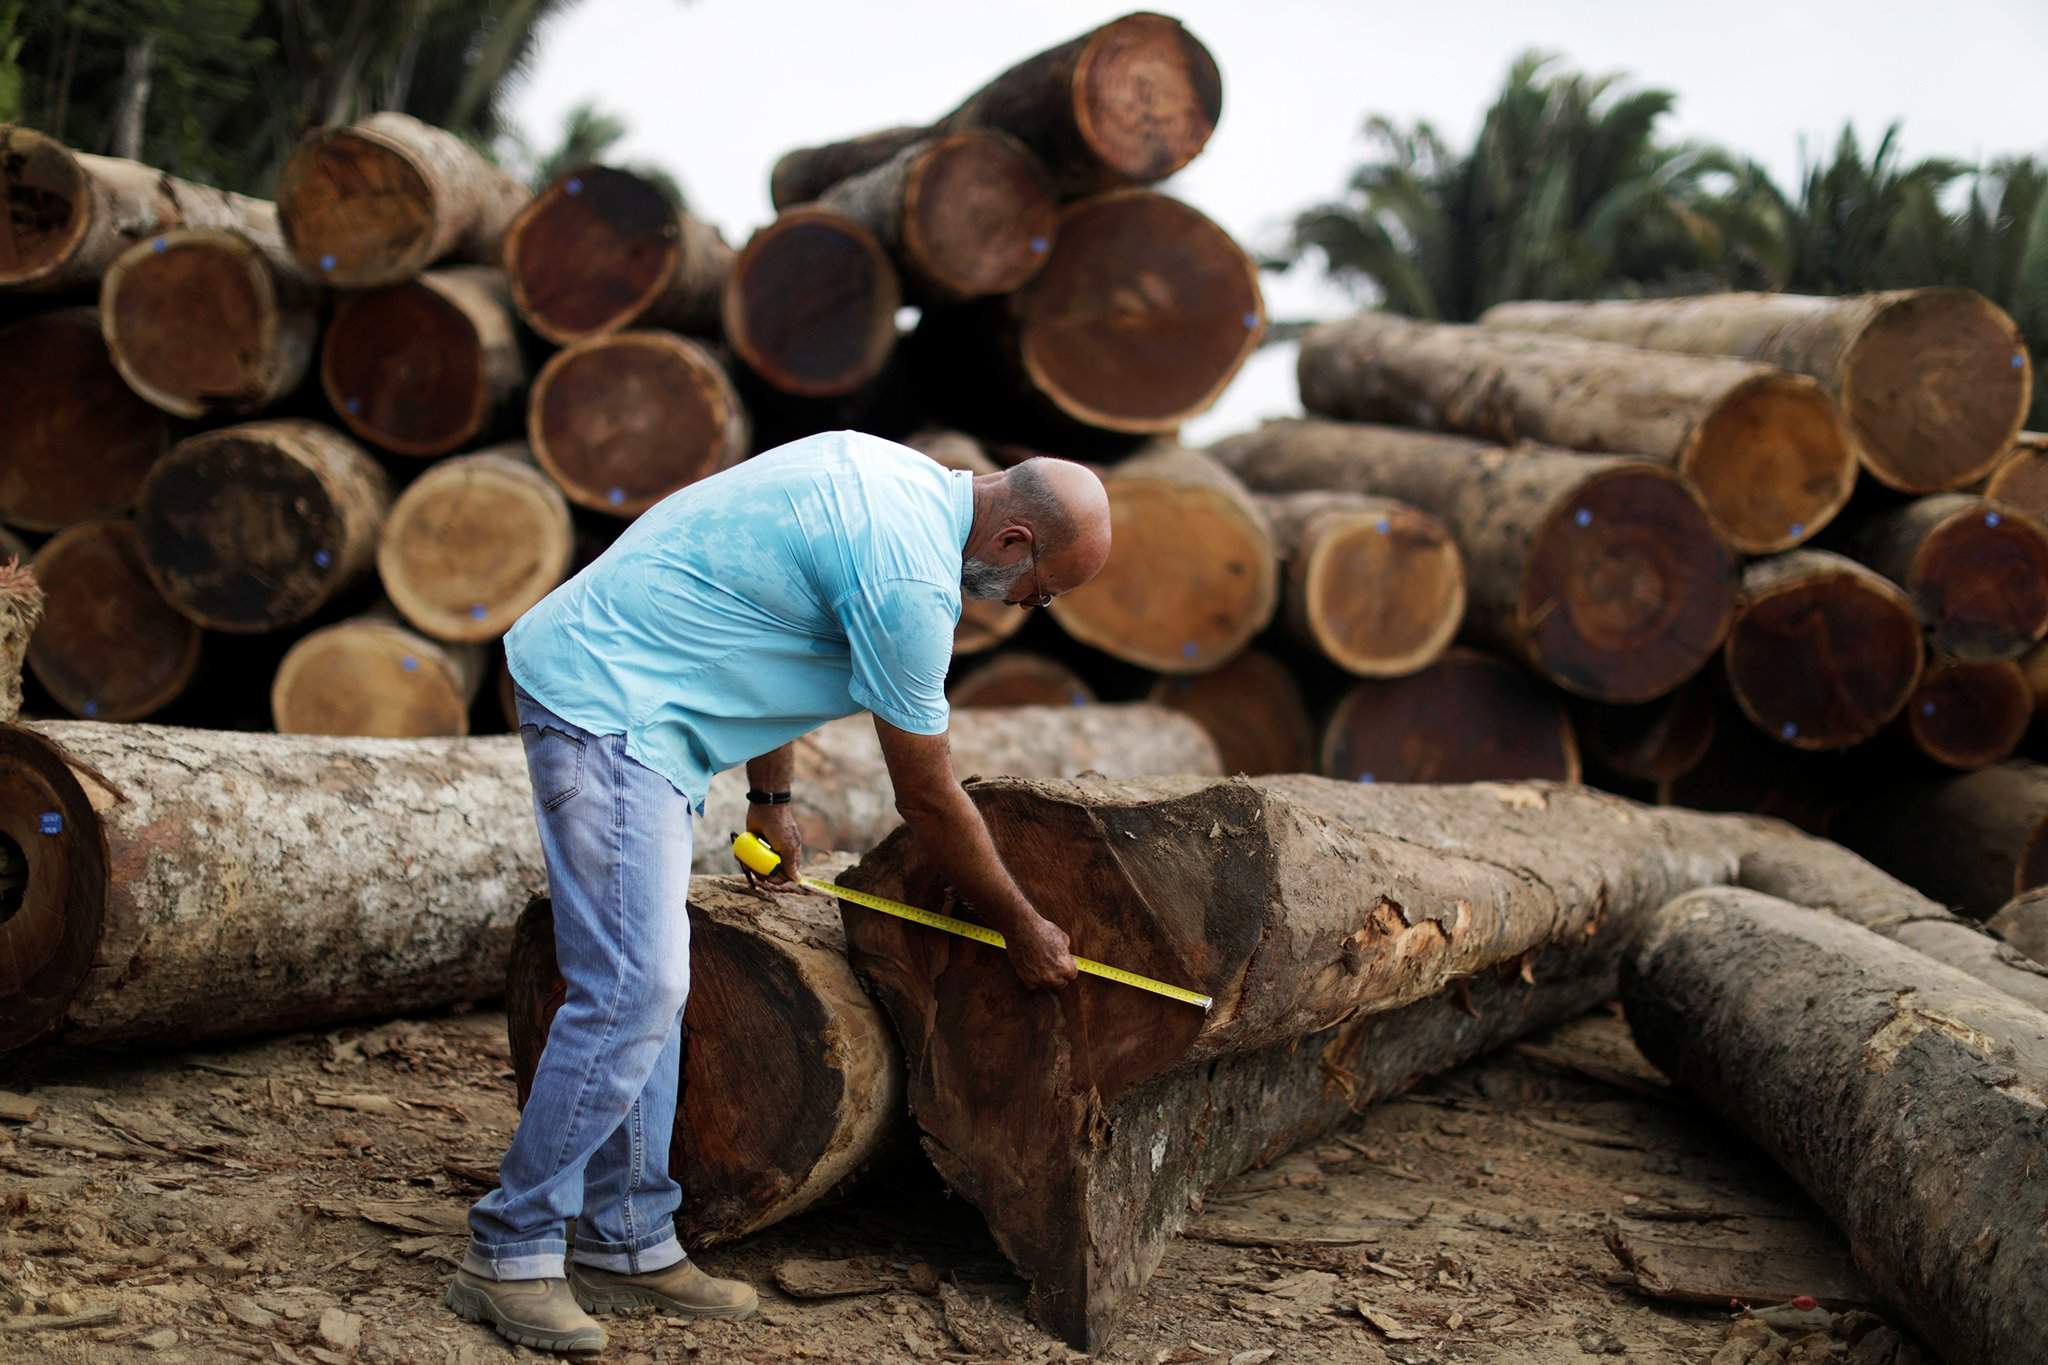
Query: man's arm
{"x": 773, "y": 772}
{"x": 949, "y": 828}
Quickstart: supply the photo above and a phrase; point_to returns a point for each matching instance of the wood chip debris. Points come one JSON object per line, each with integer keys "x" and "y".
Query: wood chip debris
{"x": 1387, "y": 1324}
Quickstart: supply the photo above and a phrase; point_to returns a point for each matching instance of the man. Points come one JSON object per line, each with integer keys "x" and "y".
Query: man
{"x": 812, "y": 581}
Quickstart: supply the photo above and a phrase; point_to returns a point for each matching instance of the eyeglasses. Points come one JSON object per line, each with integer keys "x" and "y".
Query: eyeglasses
{"x": 1041, "y": 597}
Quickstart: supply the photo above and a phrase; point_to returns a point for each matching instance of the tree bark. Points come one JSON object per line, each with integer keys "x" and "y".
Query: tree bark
{"x": 1605, "y": 574}
{"x": 623, "y": 420}
{"x": 1969, "y": 713}
{"x": 1376, "y": 586}
{"x": 811, "y": 303}
{"x": 380, "y": 201}
{"x": 207, "y": 322}
{"x": 136, "y": 61}
{"x": 1824, "y": 652}
{"x": 21, "y": 611}
{"x": 1933, "y": 383}
{"x": 2021, "y": 478}
{"x": 473, "y": 542}
{"x": 1468, "y": 717}
{"x": 254, "y": 527}
{"x": 79, "y": 440}
{"x": 984, "y": 623}
{"x": 1977, "y": 572}
{"x": 1972, "y": 842}
{"x": 78, "y": 211}
{"x": 1131, "y": 101}
{"x": 1192, "y": 574}
{"x": 792, "y": 1083}
{"x": 1086, "y": 1124}
{"x": 427, "y": 366}
{"x": 1254, "y": 710}
{"x": 962, "y": 216}
{"x": 1906, "y": 1098}
{"x": 1766, "y": 450}
{"x": 1018, "y": 677}
{"x": 110, "y": 647}
{"x": 1657, "y": 741}
{"x": 370, "y": 676}
{"x": 2023, "y": 923}
{"x": 603, "y": 249}
{"x": 327, "y": 879}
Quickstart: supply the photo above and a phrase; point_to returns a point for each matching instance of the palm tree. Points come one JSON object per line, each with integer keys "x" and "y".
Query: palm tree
{"x": 1870, "y": 225}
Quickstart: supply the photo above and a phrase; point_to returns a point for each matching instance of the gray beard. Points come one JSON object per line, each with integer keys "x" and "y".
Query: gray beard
{"x": 981, "y": 579}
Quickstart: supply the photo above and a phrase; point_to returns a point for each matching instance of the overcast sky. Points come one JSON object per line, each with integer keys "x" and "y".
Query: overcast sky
{"x": 715, "y": 90}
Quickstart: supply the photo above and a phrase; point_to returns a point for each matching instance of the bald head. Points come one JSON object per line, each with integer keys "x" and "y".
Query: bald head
{"x": 1053, "y": 510}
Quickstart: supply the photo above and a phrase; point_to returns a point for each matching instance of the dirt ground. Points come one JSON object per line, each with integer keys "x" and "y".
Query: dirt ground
{"x": 301, "y": 1199}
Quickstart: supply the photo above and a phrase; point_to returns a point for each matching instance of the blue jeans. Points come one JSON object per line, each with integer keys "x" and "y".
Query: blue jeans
{"x": 593, "y": 1140}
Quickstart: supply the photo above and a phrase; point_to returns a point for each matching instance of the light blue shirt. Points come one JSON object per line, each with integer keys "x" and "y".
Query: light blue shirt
{"x": 812, "y": 581}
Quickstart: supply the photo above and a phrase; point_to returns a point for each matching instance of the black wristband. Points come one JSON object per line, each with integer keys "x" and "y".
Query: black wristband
{"x": 755, "y": 798}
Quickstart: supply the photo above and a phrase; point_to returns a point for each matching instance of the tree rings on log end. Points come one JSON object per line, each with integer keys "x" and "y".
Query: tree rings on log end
{"x": 356, "y": 210}
{"x": 418, "y": 368}
{"x": 110, "y": 647}
{"x": 1380, "y": 591}
{"x": 978, "y": 215}
{"x": 249, "y": 528}
{"x": 1935, "y": 388}
{"x": 1980, "y": 579}
{"x": 622, "y": 421}
{"x": 1823, "y": 652}
{"x": 1020, "y": 678}
{"x": 1628, "y": 589}
{"x": 1970, "y": 713}
{"x": 50, "y": 925}
{"x": 1146, "y": 96}
{"x": 1253, "y": 708}
{"x": 811, "y": 304}
{"x": 1468, "y": 717}
{"x": 373, "y": 677}
{"x": 1772, "y": 462}
{"x": 49, "y": 203}
{"x": 592, "y": 253}
{"x": 1656, "y": 741}
{"x": 79, "y": 440}
{"x": 1142, "y": 316}
{"x": 2021, "y": 479}
{"x": 473, "y": 542}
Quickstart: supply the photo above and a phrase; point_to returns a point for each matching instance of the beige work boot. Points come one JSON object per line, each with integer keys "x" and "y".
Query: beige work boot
{"x": 542, "y": 1314}
{"x": 680, "y": 1288}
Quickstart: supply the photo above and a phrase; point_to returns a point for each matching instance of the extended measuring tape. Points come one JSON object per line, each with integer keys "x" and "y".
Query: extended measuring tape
{"x": 760, "y": 858}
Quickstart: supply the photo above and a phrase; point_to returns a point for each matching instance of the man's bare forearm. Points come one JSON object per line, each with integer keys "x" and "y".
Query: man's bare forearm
{"x": 774, "y": 770}
{"x": 953, "y": 835}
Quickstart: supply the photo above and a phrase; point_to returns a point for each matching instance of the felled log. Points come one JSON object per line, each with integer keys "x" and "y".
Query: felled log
{"x": 621, "y": 421}
{"x": 1741, "y": 771}
{"x": 1972, "y": 842}
{"x": 792, "y": 1085}
{"x": 811, "y": 303}
{"x": 79, "y": 439}
{"x": 425, "y": 366}
{"x": 210, "y": 322}
{"x": 843, "y": 798}
{"x": 1765, "y": 449}
{"x": 603, "y": 249}
{"x": 1654, "y": 741}
{"x": 984, "y": 623}
{"x": 1823, "y": 652}
{"x": 73, "y": 213}
{"x": 1977, "y": 572}
{"x": 110, "y": 647}
{"x": 2023, "y": 923}
{"x": 1355, "y": 937}
{"x": 1254, "y": 710}
{"x": 21, "y": 611}
{"x": 1018, "y": 677}
{"x": 249, "y": 528}
{"x": 1906, "y": 1098}
{"x": 1468, "y": 717}
{"x": 2020, "y": 478}
{"x": 473, "y": 542}
{"x": 1969, "y": 713}
{"x": 1131, "y": 101}
{"x": 1377, "y": 586}
{"x": 380, "y": 201}
{"x": 326, "y": 879}
{"x": 1605, "y": 574}
{"x": 1933, "y": 383}
{"x": 1192, "y": 574}
{"x": 371, "y": 676}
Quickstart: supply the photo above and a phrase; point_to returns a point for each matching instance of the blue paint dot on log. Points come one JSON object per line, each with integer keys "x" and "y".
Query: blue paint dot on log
{"x": 322, "y": 559}
{"x": 1383, "y": 526}
{"x": 1365, "y": 777}
{"x": 1583, "y": 517}
{"x": 1251, "y": 320}
{"x": 327, "y": 261}
{"x": 616, "y": 496}
{"x": 1078, "y": 699}
{"x": 1039, "y": 244}
{"x": 411, "y": 664}
{"x": 2019, "y": 360}
{"x": 1188, "y": 650}
{"x": 51, "y": 822}
{"x": 1991, "y": 518}
{"x": 1798, "y": 529}
{"x": 354, "y": 406}
{"x": 1926, "y": 708}
{"x": 575, "y": 185}
{"x": 91, "y": 708}
{"x": 476, "y": 611}
{"x": 158, "y": 245}
{"x": 1789, "y": 730}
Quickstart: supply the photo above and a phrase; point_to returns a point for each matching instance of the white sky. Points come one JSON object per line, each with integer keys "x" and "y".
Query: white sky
{"x": 715, "y": 90}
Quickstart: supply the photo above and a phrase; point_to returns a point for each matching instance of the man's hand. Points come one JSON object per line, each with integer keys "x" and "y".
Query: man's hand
{"x": 777, "y": 825}
{"x": 1039, "y": 954}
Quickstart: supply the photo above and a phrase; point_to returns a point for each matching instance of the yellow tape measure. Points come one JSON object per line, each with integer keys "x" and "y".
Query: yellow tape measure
{"x": 759, "y": 857}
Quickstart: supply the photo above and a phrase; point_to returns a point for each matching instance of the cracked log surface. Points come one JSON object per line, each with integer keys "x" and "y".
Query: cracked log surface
{"x": 1355, "y": 938}
{"x": 1907, "y": 1099}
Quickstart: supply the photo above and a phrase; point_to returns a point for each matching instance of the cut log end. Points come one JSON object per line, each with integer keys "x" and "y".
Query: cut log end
{"x": 1970, "y": 713}
{"x": 2021, "y": 479}
{"x": 1629, "y": 588}
{"x": 978, "y": 217}
{"x": 1146, "y": 95}
{"x": 406, "y": 367}
{"x": 376, "y": 679}
{"x": 1935, "y": 388}
{"x": 79, "y": 440}
{"x": 1254, "y": 710}
{"x": 622, "y": 421}
{"x": 1381, "y": 592}
{"x": 592, "y": 253}
{"x": 811, "y": 304}
{"x": 110, "y": 647}
{"x": 191, "y": 319}
{"x": 1981, "y": 581}
{"x": 49, "y": 207}
{"x": 1772, "y": 462}
{"x": 1020, "y": 678}
{"x": 472, "y": 543}
{"x": 356, "y": 210}
{"x": 50, "y": 925}
{"x": 1466, "y": 718}
{"x": 1142, "y": 316}
{"x": 1655, "y": 742}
